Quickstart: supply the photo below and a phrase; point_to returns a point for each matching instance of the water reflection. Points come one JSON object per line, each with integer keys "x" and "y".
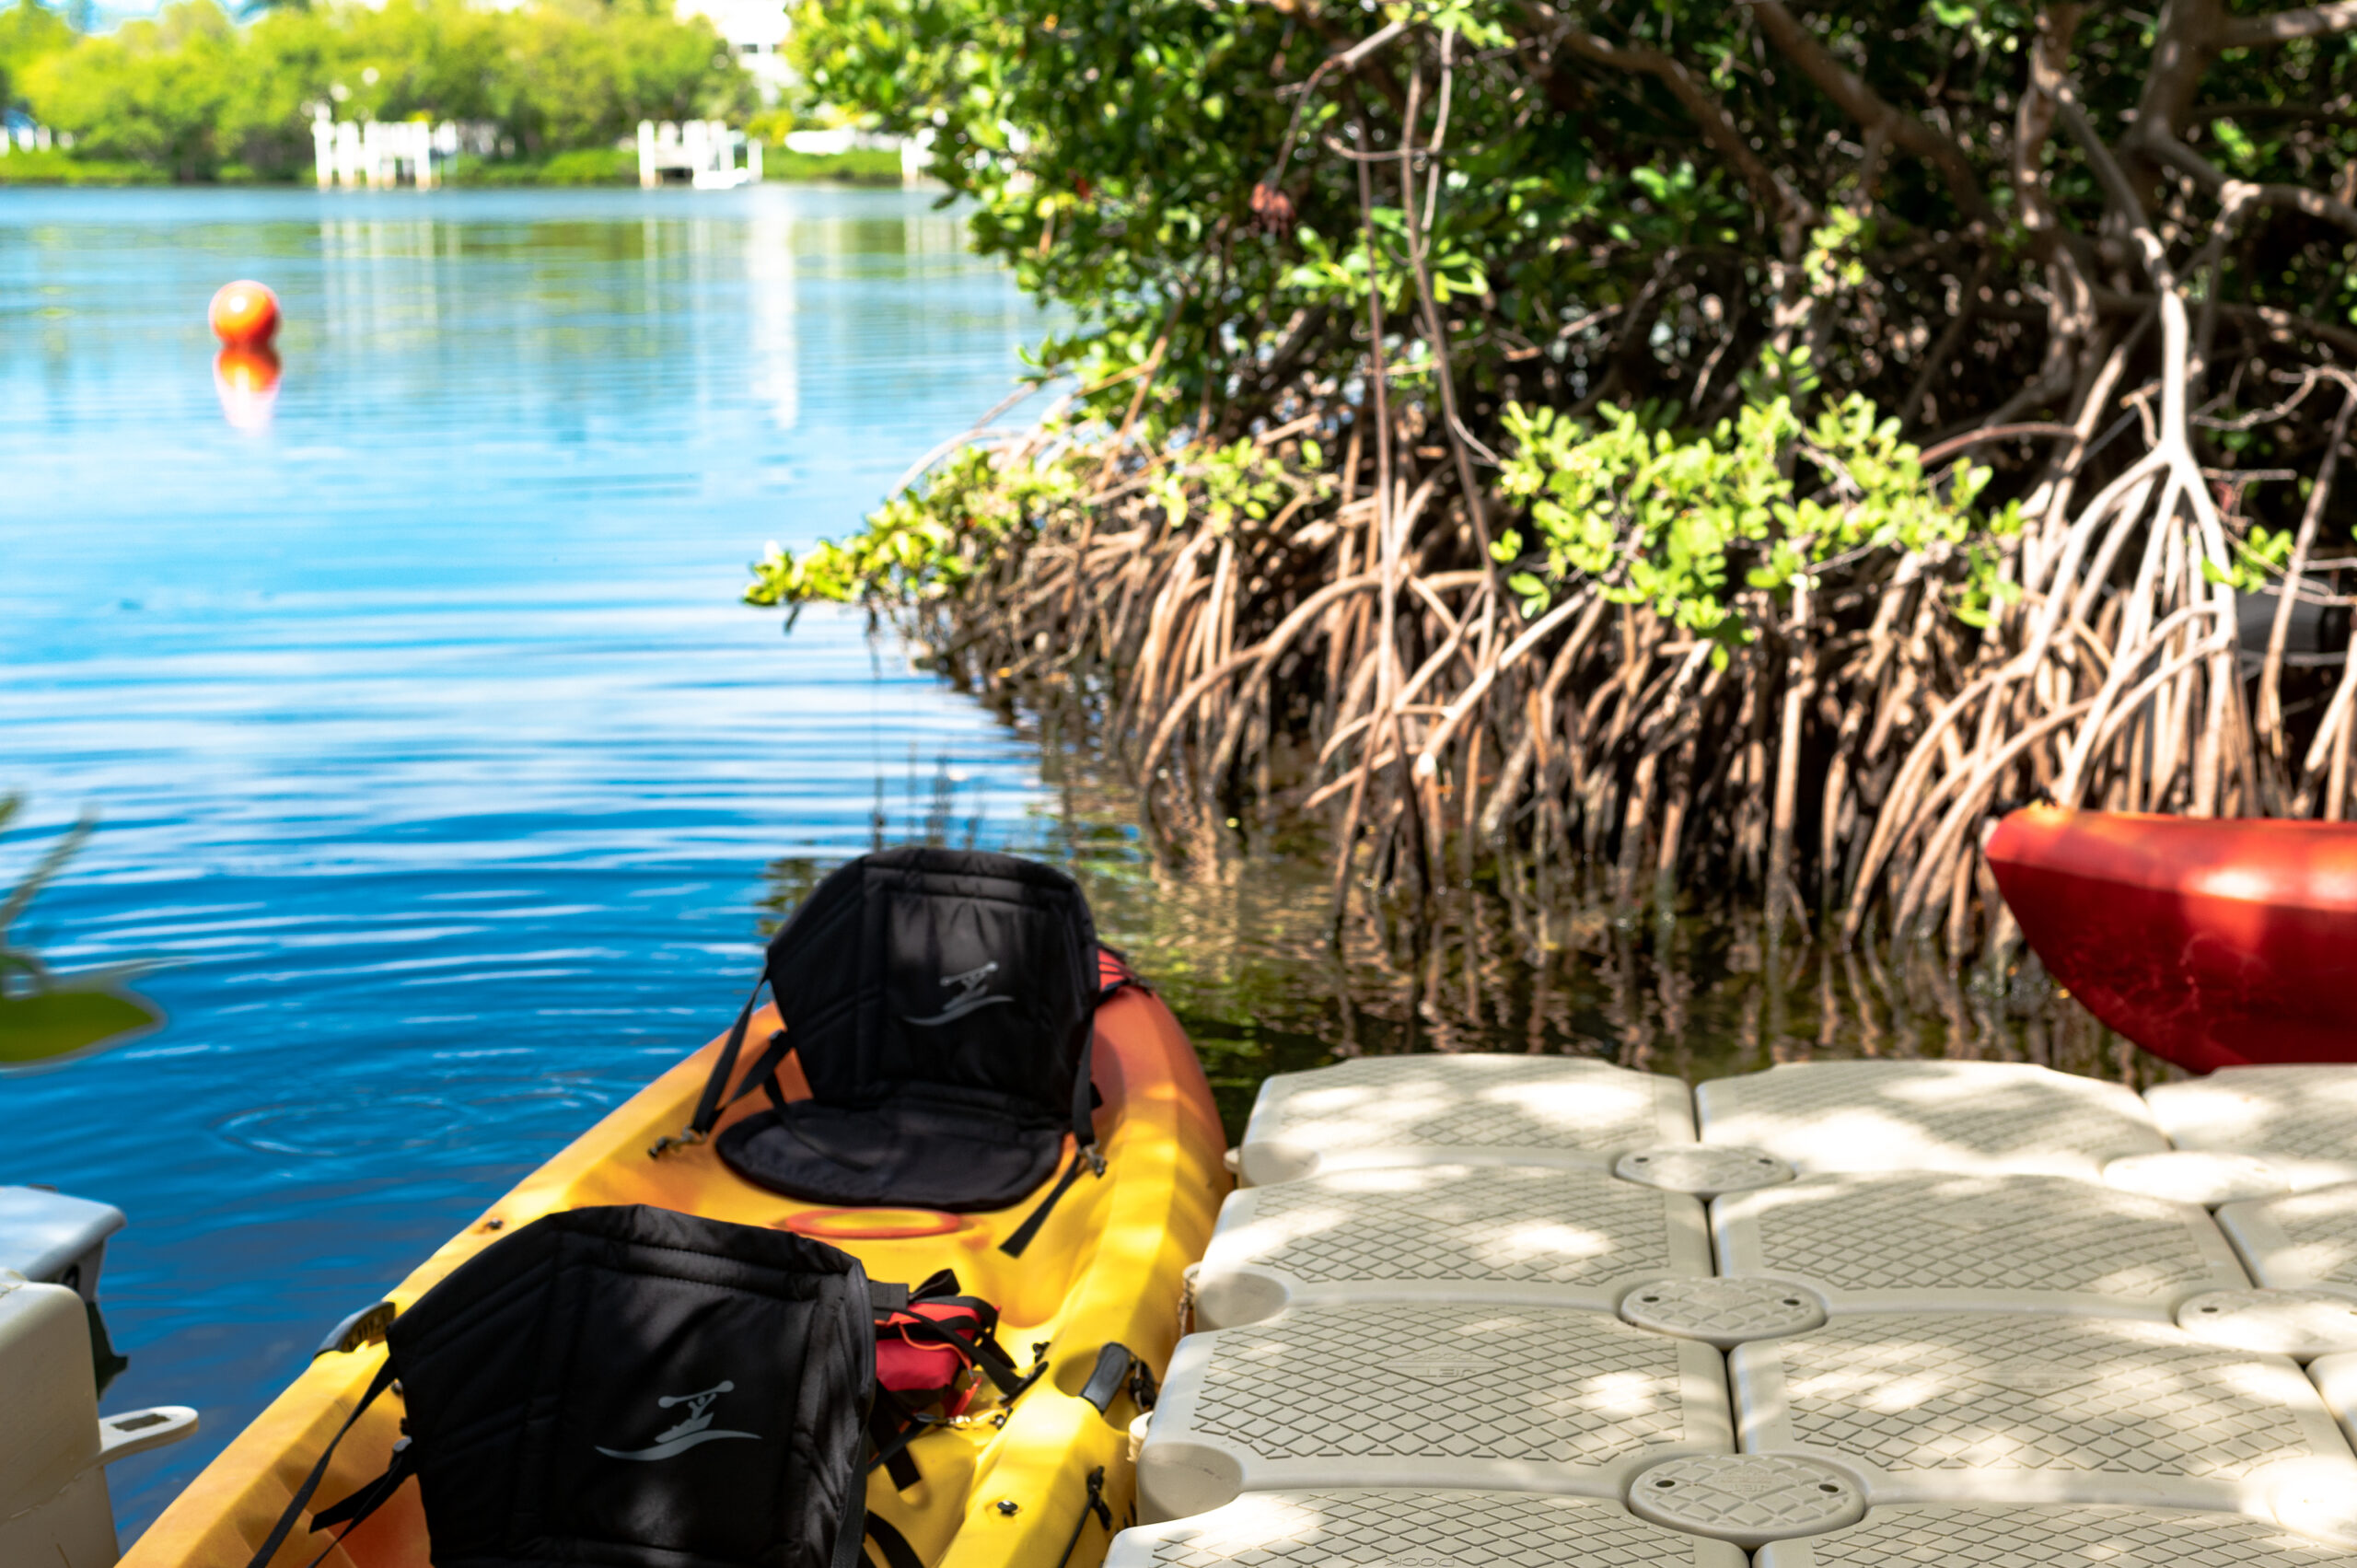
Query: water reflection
{"x": 1239, "y": 938}
{"x": 246, "y": 381}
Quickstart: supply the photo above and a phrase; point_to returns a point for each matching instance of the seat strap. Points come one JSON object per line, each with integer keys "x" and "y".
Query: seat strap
{"x": 295, "y": 1507}
{"x": 1093, "y": 1504}
{"x": 941, "y": 1282}
{"x": 854, "y": 1526}
{"x": 711, "y": 1105}
{"x": 893, "y": 1545}
{"x": 763, "y": 1073}
{"x": 892, "y": 1426}
{"x": 1084, "y": 1151}
{"x": 365, "y": 1502}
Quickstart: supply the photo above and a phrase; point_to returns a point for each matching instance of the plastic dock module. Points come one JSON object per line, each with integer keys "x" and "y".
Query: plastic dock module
{"x": 1515, "y": 1234}
{"x": 1426, "y": 1395}
{"x": 2304, "y": 1241}
{"x": 1949, "y": 1536}
{"x": 2302, "y": 1324}
{"x": 2336, "y": 1379}
{"x": 2208, "y": 1177}
{"x": 2008, "y": 1408}
{"x": 1560, "y": 1110}
{"x": 1724, "y": 1312}
{"x": 1747, "y": 1499}
{"x": 1977, "y": 1117}
{"x": 1945, "y": 1243}
{"x": 2300, "y": 1119}
{"x": 1702, "y": 1170}
{"x": 1346, "y": 1529}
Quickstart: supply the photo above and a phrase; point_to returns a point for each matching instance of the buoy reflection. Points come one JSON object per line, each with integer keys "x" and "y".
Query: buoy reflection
{"x": 247, "y": 380}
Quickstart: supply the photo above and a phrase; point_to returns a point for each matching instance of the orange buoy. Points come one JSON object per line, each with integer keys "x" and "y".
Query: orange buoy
{"x": 246, "y": 378}
{"x": 244, "y": 314}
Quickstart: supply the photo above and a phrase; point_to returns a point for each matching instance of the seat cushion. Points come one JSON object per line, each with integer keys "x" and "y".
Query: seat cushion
{"x": 914, "y": 1150}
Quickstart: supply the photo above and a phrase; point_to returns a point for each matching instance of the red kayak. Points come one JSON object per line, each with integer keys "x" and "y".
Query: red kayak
{"x": 2213, "y": 943}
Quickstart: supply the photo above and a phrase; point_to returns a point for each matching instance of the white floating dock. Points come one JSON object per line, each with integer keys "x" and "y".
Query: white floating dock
{"x": 1748, "y": 1500}
{"x": 2305, "y": 1241}
{"x": 1530, "y": 1311}
{"x": 2300, "y": 1119}
{"x": 2336, "y": 1379}
{"x": 1941, "y": 1242}
{"x": 1416, "y": 1529}
{"x": 1526, "y": 1234}
{"x": 1395, "y": 1110}
{"x": 2302, "y": 1324}
{"x": 1945, "y": 1534}
{"x": 1420, "y": 1395}
{"x": 1978, "y": 1117}
{"x": 1993, "y": 1407}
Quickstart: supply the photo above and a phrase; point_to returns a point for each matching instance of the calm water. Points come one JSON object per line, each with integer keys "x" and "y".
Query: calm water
{"x": 428, "y": 744}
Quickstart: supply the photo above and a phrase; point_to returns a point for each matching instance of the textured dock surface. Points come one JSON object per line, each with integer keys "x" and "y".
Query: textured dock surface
{"x": 1531, "y": 1309}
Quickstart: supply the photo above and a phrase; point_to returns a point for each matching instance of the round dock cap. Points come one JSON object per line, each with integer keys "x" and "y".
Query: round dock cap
{"x": 2207, "y": 1176}
{"x": 1704, "y": 1170}
{"x": 1749, "y": 1499}
{"x": 1722, "y": 1312}
{"x": 2302, "y": 1324}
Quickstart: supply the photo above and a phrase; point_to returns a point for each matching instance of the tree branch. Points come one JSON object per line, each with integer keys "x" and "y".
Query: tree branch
{"x": 2307, "y": 21}
{"x": 2284, "y": 325}
{"x": 2116, "y": 186}
{"x": 1869, "y": 107}
{"x": 1719, "y": 127}
{"x": 2185, "y": 41}
{"x": 2212, "y": 178}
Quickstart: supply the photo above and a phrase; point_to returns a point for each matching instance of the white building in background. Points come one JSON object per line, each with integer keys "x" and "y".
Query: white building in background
{"x": 404, "y": 152}
{"x": 702, "y": 153}
{"x": 20, "y": 130}
{"x": 756, "y": 31}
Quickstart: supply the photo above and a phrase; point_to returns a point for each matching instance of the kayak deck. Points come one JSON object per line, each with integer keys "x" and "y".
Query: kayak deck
{"x": 1854, "y": 1312}
{"x": 1104, "y": 1271}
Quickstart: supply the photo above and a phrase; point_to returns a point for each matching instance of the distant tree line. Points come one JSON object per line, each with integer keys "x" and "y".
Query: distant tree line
{"x": 198, "y": 95}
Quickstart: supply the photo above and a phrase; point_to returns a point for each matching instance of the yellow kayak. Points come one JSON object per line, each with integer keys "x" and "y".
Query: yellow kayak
{"x": 1006, "y": 1485}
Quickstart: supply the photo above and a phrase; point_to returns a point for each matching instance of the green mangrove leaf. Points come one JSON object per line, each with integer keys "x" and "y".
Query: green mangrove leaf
{"x": 46, "y": 1025}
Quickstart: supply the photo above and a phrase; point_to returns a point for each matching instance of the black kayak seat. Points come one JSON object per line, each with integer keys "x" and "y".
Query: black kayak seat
{"x": 941, "y": 1005}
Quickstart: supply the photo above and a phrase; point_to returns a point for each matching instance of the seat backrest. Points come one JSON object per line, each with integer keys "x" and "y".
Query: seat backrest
{"x": 632, "y": 1387}
{"x": 944, "y": 968}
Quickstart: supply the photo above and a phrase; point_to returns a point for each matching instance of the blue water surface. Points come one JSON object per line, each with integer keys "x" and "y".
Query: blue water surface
{"x": 428, "y": 745}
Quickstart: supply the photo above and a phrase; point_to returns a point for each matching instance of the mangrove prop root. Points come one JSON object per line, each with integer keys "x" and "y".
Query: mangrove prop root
{"x": 1353, "y": 649}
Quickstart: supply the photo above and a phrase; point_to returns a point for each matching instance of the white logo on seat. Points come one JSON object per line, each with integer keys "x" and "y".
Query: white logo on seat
{"x": 696, "y": 1429}
{"x": 971, "y": 997}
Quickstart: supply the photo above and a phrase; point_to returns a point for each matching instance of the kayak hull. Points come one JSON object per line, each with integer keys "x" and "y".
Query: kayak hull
{"x": 2209, "y": 943}
{"x": 1107, "y": 1268}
